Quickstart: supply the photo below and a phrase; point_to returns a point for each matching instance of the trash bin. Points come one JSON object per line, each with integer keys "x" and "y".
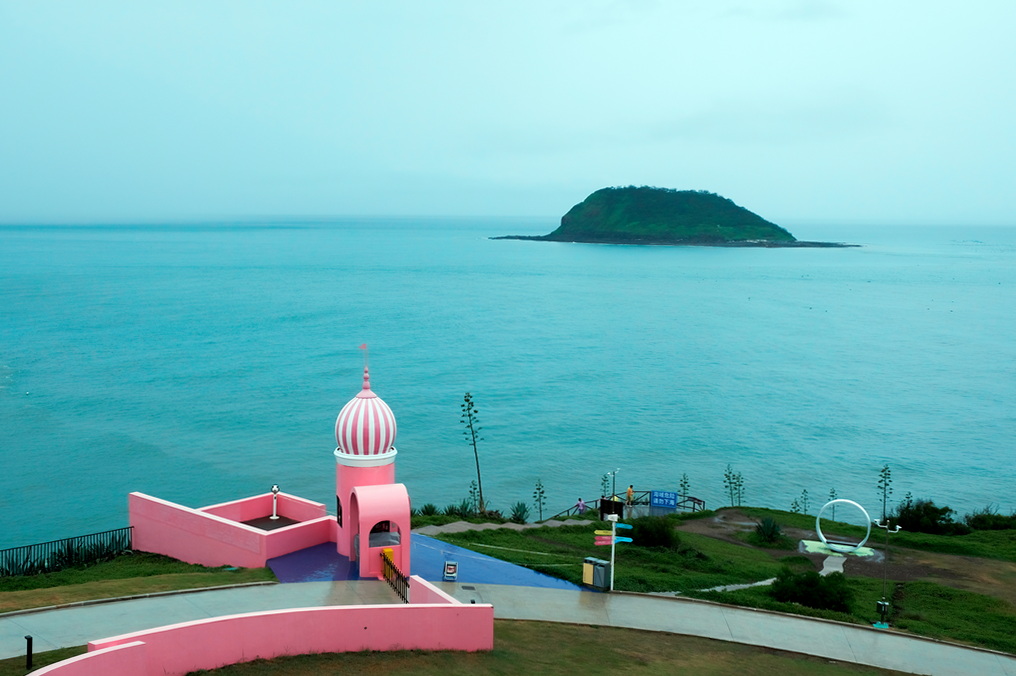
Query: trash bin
{"x": 596, "y": 572}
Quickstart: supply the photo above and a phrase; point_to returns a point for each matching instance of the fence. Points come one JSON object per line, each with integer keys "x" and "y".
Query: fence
{"x": 640, "y": 499}
{"x": 48, "y": 557}
{"x": 393, "y": 576}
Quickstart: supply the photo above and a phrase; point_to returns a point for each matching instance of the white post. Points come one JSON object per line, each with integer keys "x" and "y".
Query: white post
{"x": 275, "y": 502}
{"x": 613, "y": 543}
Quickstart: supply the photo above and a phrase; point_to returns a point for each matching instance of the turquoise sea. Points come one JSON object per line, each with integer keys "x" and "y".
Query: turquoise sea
{"x": 204, "y": 362}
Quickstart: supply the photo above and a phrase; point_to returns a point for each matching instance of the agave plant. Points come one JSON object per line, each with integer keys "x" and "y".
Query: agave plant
{"x": 768, "y": 530}
{"x": 520, "y": 512}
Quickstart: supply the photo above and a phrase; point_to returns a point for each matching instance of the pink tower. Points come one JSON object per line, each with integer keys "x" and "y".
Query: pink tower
{"x": 372, "y": 510}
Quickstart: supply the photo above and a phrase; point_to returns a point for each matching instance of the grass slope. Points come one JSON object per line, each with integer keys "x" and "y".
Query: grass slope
{"x": 126, "y": 575}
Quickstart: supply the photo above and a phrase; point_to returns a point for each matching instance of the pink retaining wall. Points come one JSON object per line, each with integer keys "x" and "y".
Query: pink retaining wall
{"x": 216, "y": 642}
{"x": 127, "y": 658}
{"x": 198, "y": 536}
{"x": 421, "y": 591}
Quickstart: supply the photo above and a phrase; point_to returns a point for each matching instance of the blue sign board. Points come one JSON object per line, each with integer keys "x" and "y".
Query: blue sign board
{"x": 664, "y": 499}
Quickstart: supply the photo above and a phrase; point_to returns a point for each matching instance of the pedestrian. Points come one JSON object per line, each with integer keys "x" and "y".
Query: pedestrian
{"x": 580, "y": 505}
{"x": 630, "y": 495}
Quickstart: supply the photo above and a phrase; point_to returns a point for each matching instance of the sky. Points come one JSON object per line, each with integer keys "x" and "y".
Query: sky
{"x": 850, "y": 111}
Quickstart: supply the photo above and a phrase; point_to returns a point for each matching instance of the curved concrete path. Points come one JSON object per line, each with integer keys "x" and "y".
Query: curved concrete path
{"x": 70, "y": 626}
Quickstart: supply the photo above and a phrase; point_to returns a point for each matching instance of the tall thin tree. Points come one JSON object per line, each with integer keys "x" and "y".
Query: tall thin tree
{"x": 472, "y": 433}
{"x": 885, "y": 487}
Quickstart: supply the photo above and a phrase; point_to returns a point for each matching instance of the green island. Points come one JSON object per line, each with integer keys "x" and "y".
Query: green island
{"x": 661, "y": 216}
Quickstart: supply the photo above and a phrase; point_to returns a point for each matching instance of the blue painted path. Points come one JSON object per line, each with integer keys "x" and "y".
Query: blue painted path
{"x": 322, "y": 563}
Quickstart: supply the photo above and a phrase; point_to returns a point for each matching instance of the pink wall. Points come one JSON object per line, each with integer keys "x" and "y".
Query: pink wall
{"x": 126, "y": 658}
{"x": 421, "y": 591}
{"x": 216, "y": 642}
{"x": 346, "y": 480}
{"x": 291, "y": 506}
{"x": 198, "y": 536}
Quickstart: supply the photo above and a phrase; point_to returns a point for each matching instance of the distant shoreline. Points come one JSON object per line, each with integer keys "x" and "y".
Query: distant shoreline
{"x": 756, "y": 244}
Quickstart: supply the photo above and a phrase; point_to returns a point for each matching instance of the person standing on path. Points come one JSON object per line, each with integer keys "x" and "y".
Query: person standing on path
{"x": 629, "y": 499}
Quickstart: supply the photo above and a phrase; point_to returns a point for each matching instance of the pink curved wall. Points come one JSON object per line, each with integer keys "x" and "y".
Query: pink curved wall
{"x": 216, "y": 642}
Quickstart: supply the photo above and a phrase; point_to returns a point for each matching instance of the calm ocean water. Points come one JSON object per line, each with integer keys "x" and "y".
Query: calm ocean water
{"x": 202, "y": 363}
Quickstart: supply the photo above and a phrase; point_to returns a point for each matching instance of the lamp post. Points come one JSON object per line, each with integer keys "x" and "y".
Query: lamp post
{"x": 883, "y": 605}
{"x": 275, "y": 502}
{"x": 613, "y": 482}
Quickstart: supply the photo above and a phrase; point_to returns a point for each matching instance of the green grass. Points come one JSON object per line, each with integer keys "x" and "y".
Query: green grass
{"x": 985, "y": 544}
{"x": 943, "y": 612}
{"x": 126, "y": 575}
{"x": 561, "y": 649}
{"x": 15, "y": 666}
{"x": 700, "y": 562}
{"x": 923, "y": 608}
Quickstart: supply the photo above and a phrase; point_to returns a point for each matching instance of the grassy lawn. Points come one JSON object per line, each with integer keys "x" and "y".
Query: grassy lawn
{"x": 923, "y": 608}
{"x": 987, "y": 544}
{"x": 701, "y": 562}
{"x": 126, "y": 575}
{"x": 15, "y": 666}
{"x": 562, "y": 649}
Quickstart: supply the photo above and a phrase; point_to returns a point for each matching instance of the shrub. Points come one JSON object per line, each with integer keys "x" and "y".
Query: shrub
{"x": 520, "y": 512}
{"x": 988, "y": 518}
{"x": 813, "y": 590}
{"x": 767, "y": 530}
{"x": 654, "y": 531}
{"x": 453, "y": 510}
{"x": 923, "y": 516}
{"x": 429, "y": 509}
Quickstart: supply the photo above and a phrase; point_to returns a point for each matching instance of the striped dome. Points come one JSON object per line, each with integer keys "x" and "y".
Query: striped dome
{"x": 365, "y": 426}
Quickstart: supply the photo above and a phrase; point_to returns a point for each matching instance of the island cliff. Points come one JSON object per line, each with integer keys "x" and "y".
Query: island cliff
{"x": 644, "y": 215}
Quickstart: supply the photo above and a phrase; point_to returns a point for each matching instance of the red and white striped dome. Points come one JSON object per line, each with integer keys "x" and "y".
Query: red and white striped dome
{"x": 366, "y": 425}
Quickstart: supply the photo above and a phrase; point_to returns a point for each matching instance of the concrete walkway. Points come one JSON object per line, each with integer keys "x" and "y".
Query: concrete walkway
{"x": 77, "y": 625}
{"x": 461, "y": 526}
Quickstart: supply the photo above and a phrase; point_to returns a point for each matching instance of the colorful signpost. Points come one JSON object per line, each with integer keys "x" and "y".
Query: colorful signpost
{"x": 610, "y": 537}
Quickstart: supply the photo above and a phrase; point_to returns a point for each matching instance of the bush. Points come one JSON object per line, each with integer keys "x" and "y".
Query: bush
{"x": 988, "y": 518}
{"x": 654, "y": 531}
{"x": 923, "y": 516}
{"x": 429, "y": 509}
{"x": 813, "y": 590}
{"x": 767, "y": 530}
{"x": 520, "y": 512}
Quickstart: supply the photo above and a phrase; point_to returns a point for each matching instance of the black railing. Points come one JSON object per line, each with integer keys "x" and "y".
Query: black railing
{"x": 640, "y": 498}
{"x": 393, "y": 576}
{"x": 48, "y": 557}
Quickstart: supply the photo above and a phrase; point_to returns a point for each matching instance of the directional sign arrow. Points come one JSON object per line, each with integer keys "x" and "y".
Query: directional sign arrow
{"x": 623, "y": 525}
{"x": 603, "y": 540}
{"x": 603, "y": 532}
{"x": 621, "y": 539}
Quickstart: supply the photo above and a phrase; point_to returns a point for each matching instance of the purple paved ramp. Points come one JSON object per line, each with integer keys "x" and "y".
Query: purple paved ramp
{"x": 322, "y": 563}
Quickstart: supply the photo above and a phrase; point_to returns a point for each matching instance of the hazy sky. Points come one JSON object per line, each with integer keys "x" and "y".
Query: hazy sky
{"x": 881, "y": 111}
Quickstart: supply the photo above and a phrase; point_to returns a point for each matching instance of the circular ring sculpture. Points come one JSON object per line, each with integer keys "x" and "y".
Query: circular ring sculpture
{"x": 835, "y": 546}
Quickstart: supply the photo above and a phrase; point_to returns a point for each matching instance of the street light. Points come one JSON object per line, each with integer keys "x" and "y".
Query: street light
{"x": 883, "y": 606}
{"x": 613, "y": 482}
{"x": 275, "y": 502}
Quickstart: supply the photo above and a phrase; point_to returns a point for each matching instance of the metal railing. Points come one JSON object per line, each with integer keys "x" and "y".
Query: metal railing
{"x": 48, "y": 557}
{"x": 640, "y": 498}
{"x": 393, "y": 576}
